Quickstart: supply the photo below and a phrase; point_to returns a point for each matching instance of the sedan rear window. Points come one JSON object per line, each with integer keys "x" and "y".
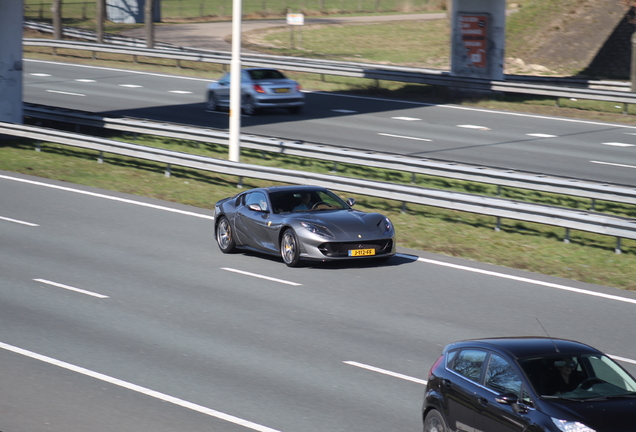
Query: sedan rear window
{"x": 261, "y": 74}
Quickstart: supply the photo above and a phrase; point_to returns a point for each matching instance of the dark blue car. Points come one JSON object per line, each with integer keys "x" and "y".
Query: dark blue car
{"x": 529, "y": 384}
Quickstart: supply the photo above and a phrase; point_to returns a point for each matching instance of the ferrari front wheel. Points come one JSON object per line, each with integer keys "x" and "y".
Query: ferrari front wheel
{"x": 289, "y": 249}
{"x": 224, "y": 235}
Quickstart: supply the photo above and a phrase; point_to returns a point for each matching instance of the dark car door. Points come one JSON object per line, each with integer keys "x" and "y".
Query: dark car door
{"x": 253, "y": 221}
{"x": 501, "y": 378}
{"x": 460, "y": 388}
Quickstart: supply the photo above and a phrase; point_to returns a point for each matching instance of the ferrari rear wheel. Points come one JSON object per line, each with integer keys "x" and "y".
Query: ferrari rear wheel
{"x": 289, "y": 249}
{"x": 224, "y": 236}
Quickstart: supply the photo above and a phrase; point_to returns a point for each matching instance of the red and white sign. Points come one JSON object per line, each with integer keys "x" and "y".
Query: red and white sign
{"x": 474, "y": 32}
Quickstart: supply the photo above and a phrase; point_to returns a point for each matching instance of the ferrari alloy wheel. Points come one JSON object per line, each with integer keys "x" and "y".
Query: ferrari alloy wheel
{"x": 224, "y": 236}
{"x": 434, "y": 422}
{"x": 289, "y": 248}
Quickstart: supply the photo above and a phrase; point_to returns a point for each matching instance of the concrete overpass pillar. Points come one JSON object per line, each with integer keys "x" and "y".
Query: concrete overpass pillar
{"x": 478, "y": 38}
{"x": 11, "y": 16}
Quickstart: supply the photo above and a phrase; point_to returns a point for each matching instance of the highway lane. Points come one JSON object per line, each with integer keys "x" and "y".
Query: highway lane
{"x": 557, "y": 146}
{"x": 136, "y": 290}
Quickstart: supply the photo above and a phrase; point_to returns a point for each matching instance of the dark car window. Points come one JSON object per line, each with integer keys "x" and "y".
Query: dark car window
{"x": 501, "y": 376}
{"x": 260, "y": 74}
{"x": 468, "y": 363}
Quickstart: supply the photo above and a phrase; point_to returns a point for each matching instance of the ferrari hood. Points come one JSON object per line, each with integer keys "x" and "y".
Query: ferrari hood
{"x": 350, "y": 224}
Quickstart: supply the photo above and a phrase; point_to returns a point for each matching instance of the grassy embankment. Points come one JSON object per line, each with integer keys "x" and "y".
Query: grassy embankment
{"x": 536, "y": 248}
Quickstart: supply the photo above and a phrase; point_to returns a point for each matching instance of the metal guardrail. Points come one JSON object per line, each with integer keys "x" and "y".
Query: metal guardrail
{"x": 501, "y": 208}
{"x": 509, "y": 178}
{"x": 349, "y": 69}
{"x": 129, "y": 41}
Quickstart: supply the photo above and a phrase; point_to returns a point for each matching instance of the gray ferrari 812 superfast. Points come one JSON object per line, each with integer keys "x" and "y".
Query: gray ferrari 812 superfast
{"x": 301, "y": 223}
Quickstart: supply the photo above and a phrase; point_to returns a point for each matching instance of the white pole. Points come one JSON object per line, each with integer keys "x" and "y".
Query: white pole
{"x": 11, "y": 60}
{"x": 235, "y": 83}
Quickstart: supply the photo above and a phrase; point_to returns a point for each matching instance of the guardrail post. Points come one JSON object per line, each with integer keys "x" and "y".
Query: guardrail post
{"x": 593, "y": 206}
{"x": 404, "y": 208}
{"x": 567, "y": 236}
{"x": 94, "y": 55}
{"x": 618, "y": 246}
{"x": 100, "y": 157}
{"x": 38, "y": 146}
{"x": 498, "y": 225}
{"x": 240, "y": 183}
{"x": 168, "y": 170}
{"x": 335, "y": 167}
{"x": 556, "y": 103}
{"x": 625, "y": 108}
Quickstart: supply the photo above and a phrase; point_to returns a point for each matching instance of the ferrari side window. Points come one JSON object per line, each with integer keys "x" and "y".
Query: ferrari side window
{"x": 257, "y": 198}
{"x": 469, "y": 363}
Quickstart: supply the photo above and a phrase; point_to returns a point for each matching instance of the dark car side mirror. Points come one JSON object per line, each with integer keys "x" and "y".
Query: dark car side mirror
{"x": 351, "y": 202}
{"x": 512, "y": 400}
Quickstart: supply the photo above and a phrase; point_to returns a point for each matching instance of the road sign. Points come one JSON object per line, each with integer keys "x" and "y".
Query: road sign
{"x": 474, "y": 33}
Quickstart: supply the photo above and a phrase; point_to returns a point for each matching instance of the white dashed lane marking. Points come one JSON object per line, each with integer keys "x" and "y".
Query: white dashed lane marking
{"x": 404, "y": 137}
{"x": 617, "y": 144}
{"x": 540, "y": 135}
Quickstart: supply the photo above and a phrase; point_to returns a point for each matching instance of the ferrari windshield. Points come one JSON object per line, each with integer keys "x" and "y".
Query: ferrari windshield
{"x": 306, "y": 200}
{"x": 579, "y": 377}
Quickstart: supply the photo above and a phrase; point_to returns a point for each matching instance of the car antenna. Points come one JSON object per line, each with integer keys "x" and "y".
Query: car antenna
{"x": 546, "y": 332}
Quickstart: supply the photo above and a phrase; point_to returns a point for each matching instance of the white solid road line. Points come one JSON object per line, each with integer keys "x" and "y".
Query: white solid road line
{"x": 528, "y": 280}
{"x": 18, "y": 221}
{"x": 70, "y": 288}
{"x": 261, "y": 276}
{"x": 148, "y": 392}
{"x": 613, "y": 164}
{"x": 386, "y": 372}
{"x": 109, "y": 197}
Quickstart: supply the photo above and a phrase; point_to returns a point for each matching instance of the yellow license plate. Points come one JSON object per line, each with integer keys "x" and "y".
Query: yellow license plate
{"x": 361, "y": 252}
{"x": 281, "y": 90}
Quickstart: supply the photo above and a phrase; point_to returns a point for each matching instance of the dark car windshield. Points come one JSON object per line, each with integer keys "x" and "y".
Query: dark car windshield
{"x": 578, "y": 377}
{"x": 306, "y": 200}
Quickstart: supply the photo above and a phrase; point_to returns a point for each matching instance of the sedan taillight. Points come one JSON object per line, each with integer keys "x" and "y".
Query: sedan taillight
{"x": 258, "y": 89}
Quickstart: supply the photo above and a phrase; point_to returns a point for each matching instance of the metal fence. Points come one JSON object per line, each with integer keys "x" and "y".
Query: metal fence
{"x": 78, "y": 10}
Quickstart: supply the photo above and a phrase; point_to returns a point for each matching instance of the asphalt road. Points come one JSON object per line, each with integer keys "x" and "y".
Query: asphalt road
{"x": 120, "y": 313}
{"x": 556, "y": 146}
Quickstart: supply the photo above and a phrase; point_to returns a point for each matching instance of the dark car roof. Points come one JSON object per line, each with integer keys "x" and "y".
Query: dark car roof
{"x": 527, "y": 346}
{"x": 292, "y": 188}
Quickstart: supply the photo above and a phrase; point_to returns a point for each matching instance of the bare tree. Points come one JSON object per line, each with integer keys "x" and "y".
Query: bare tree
{"x": 56, "y": 11}
{"x": 149, "y": 13}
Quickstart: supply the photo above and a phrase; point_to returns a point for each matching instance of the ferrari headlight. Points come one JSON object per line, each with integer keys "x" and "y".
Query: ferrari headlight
{"x": 570, "y": 426}
{"x": 385, "y": 225}
{"x": 318, "y": 230}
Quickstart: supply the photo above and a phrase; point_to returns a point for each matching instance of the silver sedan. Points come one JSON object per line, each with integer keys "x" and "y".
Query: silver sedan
{"x": 261, "y": 88}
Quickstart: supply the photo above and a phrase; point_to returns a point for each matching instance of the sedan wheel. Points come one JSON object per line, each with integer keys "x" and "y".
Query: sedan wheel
{"x": 434, "y": 422}
{"x": 224, "y": 236}
{"x": 289, "y": 248}
{"x": 213, "y": 102}
{"x": 249, "y": 108}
